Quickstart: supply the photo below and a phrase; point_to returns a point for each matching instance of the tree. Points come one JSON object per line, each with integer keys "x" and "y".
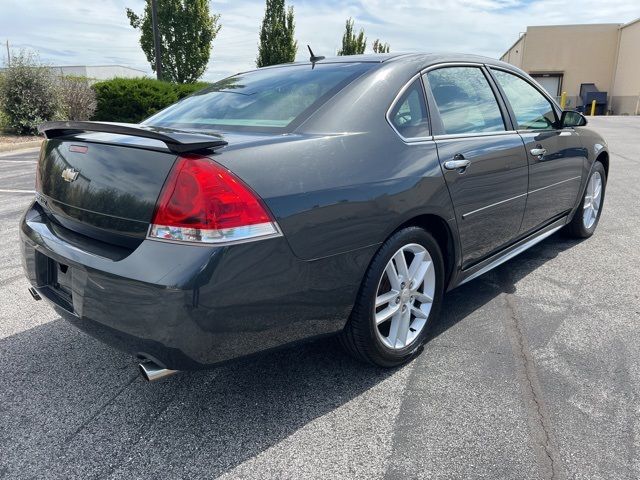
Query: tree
{"x": 379, "y": 47}
{"x": 77, "y": 98}
{"x": 352, "y": 44}
{"x": 187, "y": 30}
{"x": 28, "y": 93}
{"x": 277, "y": 44}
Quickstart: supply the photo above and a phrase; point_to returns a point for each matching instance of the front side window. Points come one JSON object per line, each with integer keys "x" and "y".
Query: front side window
{"x": 409, "y": 114}
{"x": 271, "y": 99}
{"x": 532, "y": 110}
{"x": 465, "y": 100}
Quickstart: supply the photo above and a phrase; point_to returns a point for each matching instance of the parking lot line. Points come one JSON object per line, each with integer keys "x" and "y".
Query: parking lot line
{"x": 10, "y": 190}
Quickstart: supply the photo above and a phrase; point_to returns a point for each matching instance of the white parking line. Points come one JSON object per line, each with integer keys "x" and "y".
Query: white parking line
{"x": 9, "y": 190}
{"x": 18, "y": 161}
{"x": 19, "y": 152}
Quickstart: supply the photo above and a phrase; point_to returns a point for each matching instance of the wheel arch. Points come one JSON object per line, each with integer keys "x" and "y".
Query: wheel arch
{"x": 603, "y": 158}
{"x": 441, "y": 231}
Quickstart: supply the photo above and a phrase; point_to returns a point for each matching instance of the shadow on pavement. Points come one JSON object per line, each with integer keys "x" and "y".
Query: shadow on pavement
{"x": 462, "y": 301}
{"x": 71, "y": 407}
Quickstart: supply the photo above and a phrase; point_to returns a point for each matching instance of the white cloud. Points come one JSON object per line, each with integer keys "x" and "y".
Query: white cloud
{"x": 93, "y": 33}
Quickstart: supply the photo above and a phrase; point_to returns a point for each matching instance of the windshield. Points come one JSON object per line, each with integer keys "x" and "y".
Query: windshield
{"x": 273, "y": 99}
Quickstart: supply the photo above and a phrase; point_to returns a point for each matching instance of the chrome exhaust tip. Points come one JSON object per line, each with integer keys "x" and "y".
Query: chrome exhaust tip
{"x": 34, "y": 293}
{"x": 151, "y": 371}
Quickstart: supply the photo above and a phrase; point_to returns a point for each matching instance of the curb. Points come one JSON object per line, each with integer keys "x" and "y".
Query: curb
{"x": 10, "y": 147}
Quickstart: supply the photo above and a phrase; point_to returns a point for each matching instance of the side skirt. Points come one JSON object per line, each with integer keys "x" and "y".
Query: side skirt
{"x": 498, "y": 259}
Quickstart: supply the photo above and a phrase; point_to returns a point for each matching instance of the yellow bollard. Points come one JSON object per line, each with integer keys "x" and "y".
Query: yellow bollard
{"x": 593, "y": 108}
{"x": 563, "y": 100}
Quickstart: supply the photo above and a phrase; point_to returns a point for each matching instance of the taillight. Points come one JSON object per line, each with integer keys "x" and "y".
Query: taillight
{"x": 203, "y": 202}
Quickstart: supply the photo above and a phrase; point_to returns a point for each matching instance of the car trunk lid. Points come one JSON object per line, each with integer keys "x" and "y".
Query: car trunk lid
{"x": 102, "y": 179}
{"x": 107, "y": 191}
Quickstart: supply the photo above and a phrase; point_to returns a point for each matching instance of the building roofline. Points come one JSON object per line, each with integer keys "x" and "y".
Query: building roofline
{"x": 630, "y": 23}
{"x": 577, "y": 25}
{"x": 524, "y": 34}
{"x": 92, "y": 66}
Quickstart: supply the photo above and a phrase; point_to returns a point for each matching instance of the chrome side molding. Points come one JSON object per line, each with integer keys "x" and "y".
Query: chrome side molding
{"x": 502, "y": 258}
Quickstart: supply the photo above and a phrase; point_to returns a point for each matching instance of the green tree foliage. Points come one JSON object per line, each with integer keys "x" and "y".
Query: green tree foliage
{"x": 28, "y": 94}
{"x": 352, "y": 44}
{"x": 379, "y": 47}
{"x": 277, "y": 43}
{"x": 132, "y": 100}
{"x": 187, "y": 30}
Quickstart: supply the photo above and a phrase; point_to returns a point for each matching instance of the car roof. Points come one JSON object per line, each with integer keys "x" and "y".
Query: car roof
{"x": 421, "y": 59}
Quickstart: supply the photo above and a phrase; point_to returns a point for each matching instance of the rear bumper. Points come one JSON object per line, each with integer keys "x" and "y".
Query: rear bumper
{"x": 189, "y": 307}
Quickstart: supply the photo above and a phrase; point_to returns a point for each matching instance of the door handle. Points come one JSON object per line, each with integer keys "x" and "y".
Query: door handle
{"x": 460, "y": 165}
{"x": 538, "y": 152}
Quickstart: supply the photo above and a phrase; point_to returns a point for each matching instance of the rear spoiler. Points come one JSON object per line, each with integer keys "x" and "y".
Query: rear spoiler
{"x": 177, "y": 141}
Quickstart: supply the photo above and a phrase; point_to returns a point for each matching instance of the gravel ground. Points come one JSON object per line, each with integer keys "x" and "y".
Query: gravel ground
{"x": 531, "y": 373}
{"x": 6, "y": 138}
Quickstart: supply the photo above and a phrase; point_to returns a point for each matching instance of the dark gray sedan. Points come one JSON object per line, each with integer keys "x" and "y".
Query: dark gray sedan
{"x": 339, "y": 196}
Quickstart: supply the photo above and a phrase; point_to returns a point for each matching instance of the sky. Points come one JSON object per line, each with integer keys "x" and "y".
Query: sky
{"x": 97, "y": 32}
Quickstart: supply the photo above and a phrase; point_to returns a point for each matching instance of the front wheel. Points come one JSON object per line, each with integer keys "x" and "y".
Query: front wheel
{"x": 400, "y": 295}
{"x": 585, "y": 219}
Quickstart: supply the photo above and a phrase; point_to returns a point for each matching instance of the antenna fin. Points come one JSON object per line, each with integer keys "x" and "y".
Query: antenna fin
{"x": 313, "y": 58}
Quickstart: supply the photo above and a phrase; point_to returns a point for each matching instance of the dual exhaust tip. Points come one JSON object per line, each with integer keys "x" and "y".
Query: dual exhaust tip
{"x": 151, "y": 371}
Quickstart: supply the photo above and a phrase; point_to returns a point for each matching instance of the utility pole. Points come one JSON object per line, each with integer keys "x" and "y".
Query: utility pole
{"x": 8, "y": 55}
{"x": 156, "y": 39}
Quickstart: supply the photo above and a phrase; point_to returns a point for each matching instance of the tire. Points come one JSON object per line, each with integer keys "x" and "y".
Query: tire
{"x": 389, "y": 344}
{"x": 587, "y": 215}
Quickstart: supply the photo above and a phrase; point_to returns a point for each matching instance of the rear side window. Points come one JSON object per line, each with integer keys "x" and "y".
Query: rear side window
{"x": 465, "y": 100}
{"x": 271, "y": 99}
{"x": 532, "y": 110}
{"x": 409, "y": 114}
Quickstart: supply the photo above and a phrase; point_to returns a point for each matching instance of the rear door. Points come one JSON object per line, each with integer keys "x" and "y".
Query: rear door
{"x": 481, "y": 157}
{"x": 555, "y": 155}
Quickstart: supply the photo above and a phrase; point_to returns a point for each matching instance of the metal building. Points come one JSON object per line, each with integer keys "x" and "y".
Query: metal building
{"x": 564, "y": 57}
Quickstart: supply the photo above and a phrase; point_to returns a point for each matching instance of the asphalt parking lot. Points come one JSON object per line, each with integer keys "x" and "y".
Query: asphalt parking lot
{"x": 532, "y": 372}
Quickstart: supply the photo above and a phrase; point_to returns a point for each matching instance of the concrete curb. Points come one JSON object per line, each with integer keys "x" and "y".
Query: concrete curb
{"x": 10, "y": 147}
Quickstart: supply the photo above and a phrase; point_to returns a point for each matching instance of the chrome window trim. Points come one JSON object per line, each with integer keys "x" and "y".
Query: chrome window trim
{"x": 451, "y": 136}
{"x": 522, "y": 131}
{"x": 451, "y": 64}
{"x": 544, "y": 93}
{"x": 481, "y": 66}
{"x": 396, "y": 99}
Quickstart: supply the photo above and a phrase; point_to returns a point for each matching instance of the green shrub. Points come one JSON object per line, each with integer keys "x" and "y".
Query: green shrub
{"x": 131, "y": 100}
{"x": 28, "y": 94}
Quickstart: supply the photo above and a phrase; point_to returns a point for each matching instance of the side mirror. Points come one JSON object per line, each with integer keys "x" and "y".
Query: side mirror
{"x": 571, "y": 118}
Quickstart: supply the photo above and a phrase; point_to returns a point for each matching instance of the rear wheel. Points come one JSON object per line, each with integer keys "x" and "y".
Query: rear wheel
{"x": 585, "y": 219}
{"x": 400, "y": 295}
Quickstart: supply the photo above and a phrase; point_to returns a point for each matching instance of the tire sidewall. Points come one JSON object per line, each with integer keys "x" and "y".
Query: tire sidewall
{"x": 587, "y": 232}
{"x": 386, "y": 252}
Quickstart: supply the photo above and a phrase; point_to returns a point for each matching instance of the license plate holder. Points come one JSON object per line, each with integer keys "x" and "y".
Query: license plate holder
{"x": 60, "y": 280}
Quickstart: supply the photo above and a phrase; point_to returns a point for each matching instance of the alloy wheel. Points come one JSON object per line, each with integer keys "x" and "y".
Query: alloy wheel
{"x": 404, "y": 296}
{"x": 592, "y": 200}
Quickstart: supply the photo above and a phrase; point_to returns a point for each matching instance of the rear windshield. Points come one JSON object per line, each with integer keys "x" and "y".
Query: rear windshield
{"x": 273, "y": 99}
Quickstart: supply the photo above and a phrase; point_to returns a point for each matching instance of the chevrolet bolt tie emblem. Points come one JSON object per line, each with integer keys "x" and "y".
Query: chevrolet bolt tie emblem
{"x": 69, "y": 174}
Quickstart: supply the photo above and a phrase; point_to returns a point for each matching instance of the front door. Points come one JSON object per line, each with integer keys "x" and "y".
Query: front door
{"x": 482, "y": 162}
{"x": 556, "y": 157}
